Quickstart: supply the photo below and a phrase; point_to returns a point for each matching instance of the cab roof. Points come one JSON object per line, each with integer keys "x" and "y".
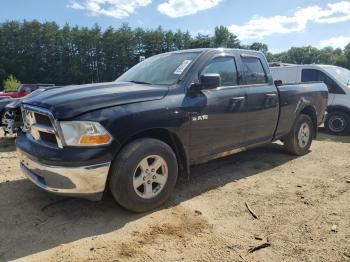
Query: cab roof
{"x": 207, "y": 50}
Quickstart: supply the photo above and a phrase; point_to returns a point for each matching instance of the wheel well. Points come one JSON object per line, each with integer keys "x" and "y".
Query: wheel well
{"x": 170, "y": 139}
{"x": 339, "y": 109}
{"x": 311, "y": 112}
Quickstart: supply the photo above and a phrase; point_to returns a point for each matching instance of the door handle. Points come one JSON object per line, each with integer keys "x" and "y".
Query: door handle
{"x": 238, "y": 98}
{"x": 270, "y": 100}
{"x": 235, "y": 103}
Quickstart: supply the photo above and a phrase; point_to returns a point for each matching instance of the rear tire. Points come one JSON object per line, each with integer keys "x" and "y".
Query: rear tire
{"x": 338, "y": 123}
{"x": 143, "y": 175}
{"x": 299, "y": 140}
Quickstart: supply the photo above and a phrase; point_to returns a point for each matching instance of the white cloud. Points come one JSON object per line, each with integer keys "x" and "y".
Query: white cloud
{"x": 336, "y": 42}
{"x": 179, "y": 8}
{"x": 259, "y": 27}
{"x": 76, "y": 5}
{"x": 113, "y": 8}
{"x": 337, "y": 12}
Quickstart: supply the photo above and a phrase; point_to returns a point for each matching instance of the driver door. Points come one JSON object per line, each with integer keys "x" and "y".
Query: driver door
{"x": 218, "y": 118}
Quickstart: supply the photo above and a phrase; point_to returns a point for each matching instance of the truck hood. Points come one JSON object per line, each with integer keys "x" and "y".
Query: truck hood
{"x": 71, "y": 101}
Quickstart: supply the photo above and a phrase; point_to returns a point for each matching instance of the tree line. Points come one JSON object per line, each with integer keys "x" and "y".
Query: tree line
{"x": 37, "y": 52}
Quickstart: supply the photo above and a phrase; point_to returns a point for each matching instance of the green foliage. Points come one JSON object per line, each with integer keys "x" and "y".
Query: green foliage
{"x": 44, "y": 52}
{"x": 11, "y": 83}
{"x": 224, "y": 38}
{"x": 259, "y": 47}
{"x": 312, "y": 55}
{"x": 201, "y": 41}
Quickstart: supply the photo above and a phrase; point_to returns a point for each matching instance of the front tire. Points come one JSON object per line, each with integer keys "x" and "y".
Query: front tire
{"x": 338, "y": 123}
{"x": 299, "y": 140}
{"x": 143, "y": 175}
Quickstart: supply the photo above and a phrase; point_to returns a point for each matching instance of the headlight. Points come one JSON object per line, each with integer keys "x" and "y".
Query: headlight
{"x": 81, "y": 133}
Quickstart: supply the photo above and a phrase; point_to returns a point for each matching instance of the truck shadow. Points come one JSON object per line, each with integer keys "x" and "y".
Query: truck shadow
{"x": 33, "y": 221}
{"x": 324, "y": 136}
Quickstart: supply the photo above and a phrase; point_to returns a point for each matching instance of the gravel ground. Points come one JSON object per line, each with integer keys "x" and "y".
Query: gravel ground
{"x": 298, "y": 201}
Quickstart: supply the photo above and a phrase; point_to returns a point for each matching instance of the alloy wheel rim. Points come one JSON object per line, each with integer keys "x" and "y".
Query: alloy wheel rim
{"x": 150, "y": 176}
{"x": 304, "y": 135}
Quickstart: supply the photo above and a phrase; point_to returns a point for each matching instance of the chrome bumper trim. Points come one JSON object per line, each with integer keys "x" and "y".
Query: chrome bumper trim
{"x": 83, "y": 181}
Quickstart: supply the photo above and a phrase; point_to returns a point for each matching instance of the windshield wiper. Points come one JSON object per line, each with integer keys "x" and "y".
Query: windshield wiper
{"x": 140, "y": 83}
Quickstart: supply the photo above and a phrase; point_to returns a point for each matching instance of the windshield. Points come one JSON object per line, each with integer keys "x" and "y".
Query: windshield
{"x": 340, "y": 74}
{"x": 163, "y": 69}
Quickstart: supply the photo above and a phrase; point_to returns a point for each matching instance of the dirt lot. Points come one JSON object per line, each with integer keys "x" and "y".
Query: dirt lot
{"x": 297, "y": 201}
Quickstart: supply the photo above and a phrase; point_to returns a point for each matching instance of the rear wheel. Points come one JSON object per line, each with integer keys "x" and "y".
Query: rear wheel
{"x": 143, "y": 175}
{"x": 338, "y": 123}
{"x": 299, "y": 140}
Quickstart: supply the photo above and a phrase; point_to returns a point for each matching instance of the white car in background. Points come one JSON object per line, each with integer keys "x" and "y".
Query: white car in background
{"x": 337, "y": 80}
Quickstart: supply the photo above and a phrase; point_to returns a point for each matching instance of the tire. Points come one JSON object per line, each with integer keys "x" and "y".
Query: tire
{"x": 338, "y": 123}
{"x": 132, "y": 171}
{"x": 299, "y": 140}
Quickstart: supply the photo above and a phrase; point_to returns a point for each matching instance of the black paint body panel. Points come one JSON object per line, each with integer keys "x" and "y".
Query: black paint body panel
{"x": 294, "y": 98}
{"x": 70, "y": 101}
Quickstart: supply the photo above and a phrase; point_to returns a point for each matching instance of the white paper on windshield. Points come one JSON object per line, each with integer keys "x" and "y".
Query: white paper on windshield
{"x": 182, "y": 67}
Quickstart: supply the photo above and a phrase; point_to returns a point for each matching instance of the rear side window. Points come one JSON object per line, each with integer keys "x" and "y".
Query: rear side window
{"x": 254, "y": 71}
{"x": 309, "y": 75}
{"x": 225, "y": 67}
{"x": 313, "y": 75}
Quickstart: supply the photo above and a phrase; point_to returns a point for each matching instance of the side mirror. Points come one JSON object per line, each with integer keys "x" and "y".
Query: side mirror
{"x": 278, "y": 83}
{"x": 210, "y": 81}
{"x": 195, "y": 88}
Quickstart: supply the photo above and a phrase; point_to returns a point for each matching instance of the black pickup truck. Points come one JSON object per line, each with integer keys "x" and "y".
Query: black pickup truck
{"x": 137, "y": 134}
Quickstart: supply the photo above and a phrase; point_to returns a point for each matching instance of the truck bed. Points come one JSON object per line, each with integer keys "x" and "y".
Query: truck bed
{"x": 295, "y": 97}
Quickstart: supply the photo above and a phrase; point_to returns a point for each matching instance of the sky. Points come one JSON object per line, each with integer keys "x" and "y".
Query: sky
{"x": 280, "y": 24}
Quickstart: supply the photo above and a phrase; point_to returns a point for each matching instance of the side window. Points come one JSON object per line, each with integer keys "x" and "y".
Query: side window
{"x": 225, "y": 67}
{"x": 254, "y": 71}
{"x": 313, "y": 75}
{"x": 309, "y": 75}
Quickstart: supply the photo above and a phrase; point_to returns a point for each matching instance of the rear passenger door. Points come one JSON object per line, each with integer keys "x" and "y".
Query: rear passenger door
{"x": 262, "y": 100}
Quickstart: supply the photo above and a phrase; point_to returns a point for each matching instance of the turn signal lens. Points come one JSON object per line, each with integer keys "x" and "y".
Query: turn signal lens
{"x": 95, "y": 140}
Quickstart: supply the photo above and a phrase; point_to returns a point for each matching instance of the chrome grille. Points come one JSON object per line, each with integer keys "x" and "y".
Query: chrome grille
{"x": 40, "y": 125}
{"x": 43, "y": 120}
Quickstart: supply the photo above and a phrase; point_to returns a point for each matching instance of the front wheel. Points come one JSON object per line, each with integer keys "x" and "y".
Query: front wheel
{"x": 143, "y": 175}
{"x": 299, "y": 140}
{"x": 338, "y": 123}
